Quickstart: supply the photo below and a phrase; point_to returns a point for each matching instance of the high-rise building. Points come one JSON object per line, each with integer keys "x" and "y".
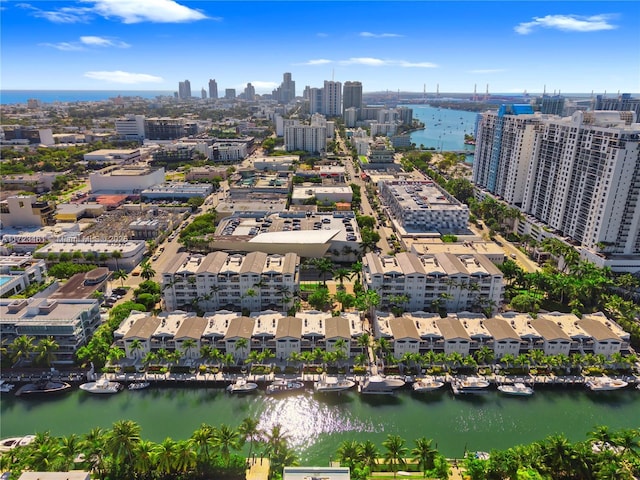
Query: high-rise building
{"x": 203, "y": 93}
{"x": 623, "y": 103}
{"x": 213, "y": 89}
{"x": 309, "y": 138}
{"x": 332, "y": 99}
{"x": 286, "y": 92}
{"x": 184, "y": 90}
{"x": 250, "y": 92}
{"x": 352, "y": 95}
{"x": 579, "y": 175}
{"x": 230, "y": 93}
{"x": 315, "y": 100}
{"x": 552, "y": 105}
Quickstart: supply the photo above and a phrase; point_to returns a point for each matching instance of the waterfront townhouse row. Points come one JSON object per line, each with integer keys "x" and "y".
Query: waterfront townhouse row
{"x": 441, "y": 280}
{"x": 231, "y": 332}
{"x": 69, "y": 322}
{"x": 506, "y": 333}
{"x": 255, "y": 281}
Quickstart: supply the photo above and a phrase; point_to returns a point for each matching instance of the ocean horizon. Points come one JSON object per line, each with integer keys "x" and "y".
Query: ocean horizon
{"x": 12, "y": 97}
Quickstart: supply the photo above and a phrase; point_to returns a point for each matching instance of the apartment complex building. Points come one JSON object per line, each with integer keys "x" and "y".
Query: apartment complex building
{"x": 70, "y": 322}
{"x": 579, "y": 175}
{"x": 255, "y": 281}
{"x": 263, "y": 330}
{"x": 423, "y": 206}
{"x": 510, "y": 333}
{"x": 309, "y": 138}
{"x": 423, "y": 282}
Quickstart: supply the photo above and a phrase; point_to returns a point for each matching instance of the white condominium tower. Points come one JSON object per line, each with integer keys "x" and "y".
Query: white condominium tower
{"x": 332, "y": 99}
{"x": 579, "y": 175}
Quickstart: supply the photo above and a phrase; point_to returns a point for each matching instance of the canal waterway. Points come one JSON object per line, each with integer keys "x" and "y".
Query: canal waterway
{"x": 444, "y": 128}
{"x": 316, "y": 424}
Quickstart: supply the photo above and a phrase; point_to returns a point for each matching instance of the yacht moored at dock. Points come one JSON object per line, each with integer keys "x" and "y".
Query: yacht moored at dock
{"x": 466, "y": 385}
{"x": 102, "y": 386}
{"x": 13, "y": 442}
{"x": 378, "y": 385}
{"x": 138, "y": 385}
{"x": 332, "y": 384}
{"x": 43, "y": 387}
{"x": 516, "y": 389}
{"x": 426, "y": 385}
{"x": 241, "y": 385}
{"x": 604, "y": 384}
{"x": 281, "y": 386}
{"x": 6, "y": 387}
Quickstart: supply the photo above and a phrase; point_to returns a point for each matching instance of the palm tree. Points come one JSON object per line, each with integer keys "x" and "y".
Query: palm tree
{"x": 120, "y": 275}
{"x": 93, "y": 447}
{"x": 348, "y": 453}
{"x": 164, "y": 456}
{"x": 322, "y": 265}
{"x": 356, "y": 270}
{"x": 226, "y": 439}
{"x": 115, "y": 354}
{"x": 203, "y": 440}
{"x": 241, "y": 344}
{"x": 395, "y": 451}
{"x": 424, "y": 454}
{"x": 187, "y": 345}
{"x": 249, "y": 430}
{"x": 341, "y": 274}
{"x": 484, "y": 355}
{"x": 47, "y": 347}
{"x": 21, "y": 348}
{"x": 144, "y": 459}
{"x": 147, "y": 271}
{"x": 185, "y": 457}
{"x": 136, "y": 346}
{"x": 369, "y": 454}
{"x": 116, "y": 255}
{"x": 70, "y": 448}
{"x": 121, "y": 443}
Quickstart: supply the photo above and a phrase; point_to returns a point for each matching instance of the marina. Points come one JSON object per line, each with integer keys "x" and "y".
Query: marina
{"x": 318, "y": 422}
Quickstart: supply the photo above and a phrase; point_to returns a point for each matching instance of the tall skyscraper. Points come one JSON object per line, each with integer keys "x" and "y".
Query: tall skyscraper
{"x": 203, "y": 93}
{"x": 352, "y": 95}
{"x": 230, "y": 93}
{"x": 250, "y": 92}
{"x": 622, "y": 103}
{"x": 213, "y": 89}
{"x": 579, "y": 175}
{"x": 184, "y": 90}
{"x": 332, "y": 99}
{"x": 286, "y": 92}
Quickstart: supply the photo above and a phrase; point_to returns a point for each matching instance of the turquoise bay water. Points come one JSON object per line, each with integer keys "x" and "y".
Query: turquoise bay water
{"x": 317, "y": 424}
{"x": 445, "y": 128}
{"x": 8, "y": 97}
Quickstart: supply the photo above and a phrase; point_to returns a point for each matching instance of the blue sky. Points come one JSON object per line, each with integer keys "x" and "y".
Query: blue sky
{"x": 154, "y": 44}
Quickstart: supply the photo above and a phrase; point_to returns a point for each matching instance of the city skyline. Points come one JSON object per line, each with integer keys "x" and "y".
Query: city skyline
{"x": 572, "y": 47}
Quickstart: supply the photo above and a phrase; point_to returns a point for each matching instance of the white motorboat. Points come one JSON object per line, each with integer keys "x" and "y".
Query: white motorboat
{"x": 241, "y": 385}
{"x": 379, "y": 385}
{"x": 516, "y": 389}
{"x": 281, "y": 386}
{"x": 426, "y": 385}
{"x": 603, "y": 384}
{"x": 42, "y": 387}
{"x": 102, "y": 386}
{"x": 6, "y": 387}
{"x": 466, "y": 385}
{"x": 138, "y": 385}
{"x": 332, "y": 384}
{"x": 13, "y": 442}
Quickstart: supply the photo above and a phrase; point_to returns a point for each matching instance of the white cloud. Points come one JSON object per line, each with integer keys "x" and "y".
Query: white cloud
{"x": 380, "y": 35}
{"x": 317, "y": 61}
{"x": 378, "y": 62}
{"x": 128, "y": 11}
{"x": 567, "y": 23}
{"x": 87, "y": 41}
{"x": 487, "y": 70}
{"x": 119, "y": 76}
{"x": 103, "y": 42}
{"x": 260, "y": 85}
{"x": 64, "y": 46}
{"x": 62, "y": 15}
{"x": 322, "y": 34}
{"x": 156, "y": 11}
